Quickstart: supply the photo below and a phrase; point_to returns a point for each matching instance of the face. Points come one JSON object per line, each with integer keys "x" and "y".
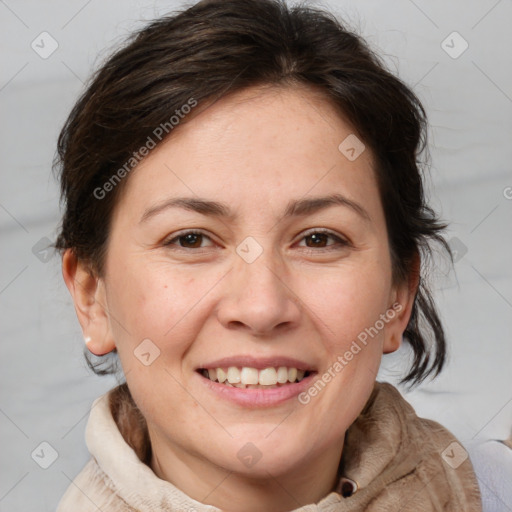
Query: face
{"x": 248, "y": 240}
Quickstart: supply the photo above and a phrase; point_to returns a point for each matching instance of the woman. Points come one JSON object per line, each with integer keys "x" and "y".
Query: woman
{"x": 244, "y": 229}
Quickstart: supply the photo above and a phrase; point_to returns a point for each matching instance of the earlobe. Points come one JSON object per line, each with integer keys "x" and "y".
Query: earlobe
{"x": 88, "y": 293}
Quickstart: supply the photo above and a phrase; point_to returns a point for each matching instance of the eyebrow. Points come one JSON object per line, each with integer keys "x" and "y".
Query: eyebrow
{"x": 294, "y": 208}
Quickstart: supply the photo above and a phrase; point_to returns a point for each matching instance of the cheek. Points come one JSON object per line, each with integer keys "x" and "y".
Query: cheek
{"x": 154, "y": 321}
{"x": 347, "y": 301}
{"x": 158, "y": 302}
{"x": 142, "y": 303}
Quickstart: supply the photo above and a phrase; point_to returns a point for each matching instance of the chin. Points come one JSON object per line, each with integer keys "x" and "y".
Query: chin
{"x": 270, "y": 465}
{"x": 264, "y": 453}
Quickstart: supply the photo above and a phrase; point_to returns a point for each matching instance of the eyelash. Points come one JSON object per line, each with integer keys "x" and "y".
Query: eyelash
{"x": 340, "y": 242}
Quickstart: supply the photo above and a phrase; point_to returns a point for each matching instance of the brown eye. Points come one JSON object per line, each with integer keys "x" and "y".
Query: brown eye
{"x": 323, "y": 240}
{"x": 317, "y": 240}
{"x": 189, "y": 240}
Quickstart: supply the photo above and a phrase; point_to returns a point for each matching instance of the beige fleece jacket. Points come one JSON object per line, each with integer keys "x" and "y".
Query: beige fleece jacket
{"x": 393, "y": 461}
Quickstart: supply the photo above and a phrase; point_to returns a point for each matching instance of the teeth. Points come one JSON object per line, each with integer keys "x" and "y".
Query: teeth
{"x": 221, "y": 375}
{"x": 233, "y": 375}
{"x": 268, "y": 377}
{"x": 252, "y": 378}
{"x": 282, "y": 375}
{"x": 249, "y": 376}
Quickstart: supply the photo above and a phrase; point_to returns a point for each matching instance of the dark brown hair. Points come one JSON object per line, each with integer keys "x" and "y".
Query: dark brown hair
{"x": 217, "y": 47}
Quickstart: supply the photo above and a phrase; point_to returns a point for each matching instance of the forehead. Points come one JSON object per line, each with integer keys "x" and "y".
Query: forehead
{"x": 260, "y": 145}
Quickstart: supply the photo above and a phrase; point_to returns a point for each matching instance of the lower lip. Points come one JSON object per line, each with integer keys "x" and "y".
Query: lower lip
{"x": 258, "y": 397}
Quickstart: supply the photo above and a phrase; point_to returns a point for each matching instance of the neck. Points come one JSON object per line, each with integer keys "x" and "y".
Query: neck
{"x": 230, "y": 491}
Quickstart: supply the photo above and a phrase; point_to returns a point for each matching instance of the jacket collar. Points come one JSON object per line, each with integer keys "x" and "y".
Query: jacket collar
{"x": 376, "y": 452}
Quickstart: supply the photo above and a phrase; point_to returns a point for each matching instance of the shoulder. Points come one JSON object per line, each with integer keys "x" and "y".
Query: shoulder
{"x": 91, "y": 491}
{"x": 98, "y": 486}
{"x": 492, "y": 460}
{"x": 415, "y": 464}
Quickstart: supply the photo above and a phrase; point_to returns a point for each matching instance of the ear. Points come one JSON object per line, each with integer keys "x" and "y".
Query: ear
{"x": 89, "y": 297}
{"x": 401, "y": 302}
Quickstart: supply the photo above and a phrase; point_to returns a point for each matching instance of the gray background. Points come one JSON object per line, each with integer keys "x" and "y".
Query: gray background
{"x": 46, "y": 390}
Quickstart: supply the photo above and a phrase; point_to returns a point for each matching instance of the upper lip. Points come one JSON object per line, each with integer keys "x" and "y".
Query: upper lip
{"x": 259, "y": 363}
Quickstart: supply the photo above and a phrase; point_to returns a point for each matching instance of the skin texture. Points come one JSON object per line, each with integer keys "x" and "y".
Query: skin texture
{"x": 255, "y": 151}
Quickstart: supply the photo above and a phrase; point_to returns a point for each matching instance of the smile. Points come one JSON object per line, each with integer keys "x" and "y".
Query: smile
{"x": 252, "y": 378}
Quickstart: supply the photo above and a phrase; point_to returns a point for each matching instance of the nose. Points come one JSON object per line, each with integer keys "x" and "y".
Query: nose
{"x": 259, "y": 298}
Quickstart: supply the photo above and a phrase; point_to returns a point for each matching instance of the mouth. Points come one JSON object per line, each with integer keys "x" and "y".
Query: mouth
{"x": 247, "y": 377}
{"x": 255, "y": 382}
